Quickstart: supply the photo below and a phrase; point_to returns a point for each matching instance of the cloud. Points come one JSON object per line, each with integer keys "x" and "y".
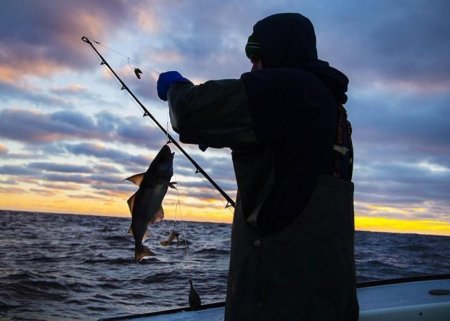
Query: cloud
{"x": 33, "y": 126}
{"x": 27, "y": 93}
{"x": 395, "y": 55}
{"x": 394, "y": 45}
{"x": 44, "y": 38}
{"x": 402, "y": 128}
{"x": 16, "y": 170}
{"x": 208, "y": 44}
{"x": 101, "y": 168}
{"x": 405, "y": 183}
{"x": 65, "y": 168}
{"x": 3, "y": 150}
{"x": 103, "y": 152}
{"x": 70, "y": 90}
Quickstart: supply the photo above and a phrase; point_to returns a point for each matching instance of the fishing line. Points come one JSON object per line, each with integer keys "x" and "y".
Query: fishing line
{"x": 194, "y": 298}
{"x": 183, "y": 232}
{"x": 127, "y": 94}
{"x": 204, "y": 181}
{"x": 148, "y": 114}
{"x": 126, "y": 57}
{"x": 216, "y": 195}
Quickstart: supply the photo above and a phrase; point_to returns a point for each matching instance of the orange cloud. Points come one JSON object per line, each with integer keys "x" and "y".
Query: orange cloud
{"x": 8, "y": 75}
{"x": 147, "y": 18}
{"x": 17, "y": 69}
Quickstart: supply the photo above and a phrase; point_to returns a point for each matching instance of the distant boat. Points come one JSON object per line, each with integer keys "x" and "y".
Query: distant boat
{"x": 409, "y": 299}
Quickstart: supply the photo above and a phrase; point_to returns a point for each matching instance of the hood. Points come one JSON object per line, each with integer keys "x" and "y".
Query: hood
{"x": 334, "y": 79}
{"x": 286, "y": 39}
{"x": 289, "y": 40}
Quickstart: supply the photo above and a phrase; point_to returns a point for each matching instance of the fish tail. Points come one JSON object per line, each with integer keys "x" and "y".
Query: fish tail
{"x": 141, "y": 252}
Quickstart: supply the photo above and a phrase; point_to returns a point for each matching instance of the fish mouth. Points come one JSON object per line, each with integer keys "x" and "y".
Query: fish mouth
{"x": 165, "y": 153}
{"x": 165, "y": 150}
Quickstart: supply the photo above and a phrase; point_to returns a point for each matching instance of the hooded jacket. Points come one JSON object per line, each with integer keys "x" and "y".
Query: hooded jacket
{"x": 292, "y": 239}
{"x": 293, "y": 103}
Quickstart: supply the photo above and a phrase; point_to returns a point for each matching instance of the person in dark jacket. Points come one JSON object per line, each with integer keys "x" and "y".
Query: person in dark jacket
{"x": 292, "y": 251}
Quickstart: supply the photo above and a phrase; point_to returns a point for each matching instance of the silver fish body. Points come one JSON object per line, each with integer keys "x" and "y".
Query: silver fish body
{"x": 145, "y": 205}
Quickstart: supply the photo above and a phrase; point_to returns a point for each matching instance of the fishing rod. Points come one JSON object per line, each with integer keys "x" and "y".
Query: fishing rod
{"x": 171, "y": 139}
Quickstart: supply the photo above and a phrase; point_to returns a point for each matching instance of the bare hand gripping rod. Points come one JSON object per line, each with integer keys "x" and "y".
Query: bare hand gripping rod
{"x": 171, "y": 139}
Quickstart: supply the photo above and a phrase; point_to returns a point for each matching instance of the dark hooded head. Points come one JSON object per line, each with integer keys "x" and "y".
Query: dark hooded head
{"x": 283, "y": 40}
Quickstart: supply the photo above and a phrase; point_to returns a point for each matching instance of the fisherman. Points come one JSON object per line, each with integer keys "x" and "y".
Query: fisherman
{"x": 292, "y": 248}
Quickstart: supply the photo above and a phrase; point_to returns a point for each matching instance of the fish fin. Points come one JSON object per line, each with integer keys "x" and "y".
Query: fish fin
{"x": 130, "y": 231}
{"x": 142, "y": 252}
{"x": 146, "y": 235}
{"x": 165, "y": 243}
{"x": 172, "y": 185}
{"x": 131, "y": 203}
{"x": 136, "y": 179}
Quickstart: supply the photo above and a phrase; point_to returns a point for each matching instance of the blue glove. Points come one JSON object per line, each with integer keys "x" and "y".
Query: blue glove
{"x": 167, "y": 79}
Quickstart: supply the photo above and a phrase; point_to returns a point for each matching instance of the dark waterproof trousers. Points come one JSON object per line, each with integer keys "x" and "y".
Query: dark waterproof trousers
{"x": 305, "y": 272}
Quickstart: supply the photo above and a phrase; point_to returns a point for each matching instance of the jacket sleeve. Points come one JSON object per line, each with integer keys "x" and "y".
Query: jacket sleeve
{"x": 214, "y": 114}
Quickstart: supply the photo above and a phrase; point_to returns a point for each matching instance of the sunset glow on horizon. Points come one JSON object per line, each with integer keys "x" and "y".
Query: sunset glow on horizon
{"x": 214, "y": 212}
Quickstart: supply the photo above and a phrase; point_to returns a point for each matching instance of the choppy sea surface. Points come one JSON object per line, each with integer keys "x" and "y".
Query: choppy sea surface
{"x": 75, "y": 267}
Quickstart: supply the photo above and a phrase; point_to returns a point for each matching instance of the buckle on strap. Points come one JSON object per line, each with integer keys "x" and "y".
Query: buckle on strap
{"x": 341, "y": 149}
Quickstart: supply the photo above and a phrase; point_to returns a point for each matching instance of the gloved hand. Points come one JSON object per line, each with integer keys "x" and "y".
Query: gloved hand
{"x": 167, "y": 79}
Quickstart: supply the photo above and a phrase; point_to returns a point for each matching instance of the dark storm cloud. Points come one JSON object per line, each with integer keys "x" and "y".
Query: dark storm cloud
{"x": 138, "y": 131}
{"x": 107, "y": 178}
{"x": 52, "y": 167}
{"x": 15, "y": 170}
{"x": 405, "y": 128}
{"x": 32, "y": 126}
{"x": 9, "y": 91}
{"x": 108, "y": 168}
{"x": 69, "y": 178}
{"x": 37, "y": 127}
{"x": 402, "y": 182}
{"x": 62, "y": 173}
{"x": 112, "y": 154}
{"x": 380, "y": 40}
{"x": 141, "y": 132}
{"x": 49, "y": 32}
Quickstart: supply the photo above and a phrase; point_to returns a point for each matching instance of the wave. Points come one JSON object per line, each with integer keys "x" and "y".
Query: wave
{"x": 85, "y": 268}
{"x": 214, "y": 251}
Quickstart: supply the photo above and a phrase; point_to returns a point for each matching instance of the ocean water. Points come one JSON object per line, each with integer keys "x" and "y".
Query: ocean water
{"x": 74, "y": 267}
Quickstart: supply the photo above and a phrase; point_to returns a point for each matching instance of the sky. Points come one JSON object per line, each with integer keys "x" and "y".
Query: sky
{"x": 69, "y": 135}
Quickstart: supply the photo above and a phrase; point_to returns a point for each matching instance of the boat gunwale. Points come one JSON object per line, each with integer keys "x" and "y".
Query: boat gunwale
{"x": 365, "y": 284}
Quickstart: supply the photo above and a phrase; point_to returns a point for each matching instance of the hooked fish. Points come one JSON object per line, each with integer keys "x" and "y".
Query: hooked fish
{"x": 173, "y": 235}
{"x": 145, "y": 205}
